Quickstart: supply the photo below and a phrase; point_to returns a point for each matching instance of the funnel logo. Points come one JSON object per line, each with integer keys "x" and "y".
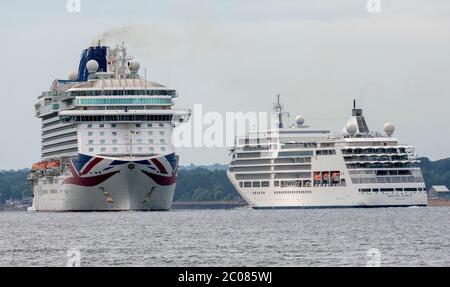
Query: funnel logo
{"x": 73, "y": 6}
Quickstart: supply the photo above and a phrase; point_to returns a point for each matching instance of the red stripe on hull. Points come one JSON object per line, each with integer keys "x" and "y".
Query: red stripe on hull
{"x": 161, "y": 180}
{"x": 159, "y": 165}
{"x": 91, "y": 165}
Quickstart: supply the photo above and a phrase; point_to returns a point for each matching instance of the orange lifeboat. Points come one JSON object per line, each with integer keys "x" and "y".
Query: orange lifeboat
{"x": 317, "y": 176}
{"x": 39, "y": 166}
{"x": 53, "y": 164}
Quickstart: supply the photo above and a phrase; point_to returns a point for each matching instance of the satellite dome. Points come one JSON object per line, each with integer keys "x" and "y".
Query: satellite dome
{"x": 351, "y": 128}
{"x": 73, "y": 76}
{"x": 389, "y": 128}
{"x": 92, "y": 66}
{"x": 299, "y": 121}
{"x": 133, "y": 66}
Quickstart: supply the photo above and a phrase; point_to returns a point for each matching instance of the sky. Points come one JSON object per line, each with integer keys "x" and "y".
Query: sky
{"x": 236, "y": 55}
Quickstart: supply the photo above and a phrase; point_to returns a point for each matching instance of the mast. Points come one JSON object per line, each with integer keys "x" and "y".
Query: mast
{"x": 278, "y": 110}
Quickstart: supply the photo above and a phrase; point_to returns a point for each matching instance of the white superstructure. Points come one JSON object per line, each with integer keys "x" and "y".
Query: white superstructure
{"x": 106, "y": 138}
{"x": 302, "y": 167}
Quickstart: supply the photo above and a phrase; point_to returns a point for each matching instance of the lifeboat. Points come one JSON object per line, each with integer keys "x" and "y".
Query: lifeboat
{"x": 53, "y": 164}
{"x": 326, "y": 175}
{"x": 317, "y": 176}
{"x": 39, "y": 166}
{"x": 335, "y": 175}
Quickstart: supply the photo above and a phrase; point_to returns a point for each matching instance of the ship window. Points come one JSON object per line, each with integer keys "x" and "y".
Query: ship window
{"x": 265, "y": 184}
{"x": 139, "y": 140}
{"x": 162, "y": 141}
{"x": 102, "y": 141}
{"x": 161, "y": 133}
{"x": 114, "y": 133}
{"x": 150, "y": 141}
{"x": 138, "y": 125}
{"x": 139, "y": 149}
{"x": 101, "y": 125}
{"x": 149, "y": 125}
{"x": 91, "y": 142}
{"x": 256, "y": 184}
{"x": 248, "y": 184}
{"x": 91, "y": 150}
{"x": 161, "y": 125}
{"x": 151, "y": 149}
{"x": 150, "y": 133}
{"x": 90, "y": 134}
{"x": 276, "y": 183}
{"x": 89, "y": 126}
{"x": 103, "y": 149}
{"x": 102, "y": 133}
{"x": 115, "y": 149}
{"x": 163, "y": 149}
{"x": 113, "y": 125}
{"x": 241, "y": 184}
{"x": 114, "y": 141}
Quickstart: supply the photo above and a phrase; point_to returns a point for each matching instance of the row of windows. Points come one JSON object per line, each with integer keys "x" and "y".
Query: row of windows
{"x": 388, "y": 179}
{"x": 150, "y": 133}
{"x": 90, "y": 126}
{"x": 326, "y": 152}
{"x": 126, "y": 101}
{"x": 390, "y": 189}
{"x": 258, "y": 192}
{"x": 254, "y": 184}
{"x": 382, "y": 165}
{"x": 116, "y": 150}
{"x": 389, "y": 150}
{"x": 295, "y": 153}
{"x": 114, "y": 141}
{"x": 292, "y": 192}
{"x": 118, "y": 118}
{"x": 298, "y": 145}
{"x": 124, "y": 93}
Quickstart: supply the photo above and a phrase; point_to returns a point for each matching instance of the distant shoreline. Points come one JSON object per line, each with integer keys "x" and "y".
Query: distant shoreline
{"x": 438, "y": 202}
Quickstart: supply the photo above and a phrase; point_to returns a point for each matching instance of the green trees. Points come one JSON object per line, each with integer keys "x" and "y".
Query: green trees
{"x": 435, "y": 172}
{"x": 206, "y": 184}
{"x": 201, "y": 184}
{"x": 14, "y": 184}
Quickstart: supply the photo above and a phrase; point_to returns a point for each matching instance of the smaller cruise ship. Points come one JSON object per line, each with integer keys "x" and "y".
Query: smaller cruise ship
{"x": 303, "y": 167}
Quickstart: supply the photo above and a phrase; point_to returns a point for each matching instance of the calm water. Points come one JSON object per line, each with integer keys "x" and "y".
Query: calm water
{"x": 237, "y": 237}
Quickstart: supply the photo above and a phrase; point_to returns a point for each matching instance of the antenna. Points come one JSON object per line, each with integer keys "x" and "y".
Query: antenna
{"x": 354, "y": 104}
{"x": 278, "y": 109}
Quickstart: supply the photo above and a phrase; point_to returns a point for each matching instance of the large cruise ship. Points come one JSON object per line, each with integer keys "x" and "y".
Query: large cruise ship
{"x": 106, "y": 138}
{"x": 303, "y": 167}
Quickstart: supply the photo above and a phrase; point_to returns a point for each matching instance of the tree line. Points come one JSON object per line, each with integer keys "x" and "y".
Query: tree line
{"x": 205, "y": 184}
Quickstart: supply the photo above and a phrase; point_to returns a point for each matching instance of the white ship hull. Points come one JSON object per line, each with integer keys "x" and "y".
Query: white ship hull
{"x": 106, "y": 184}
{"x": 327, "y": 197}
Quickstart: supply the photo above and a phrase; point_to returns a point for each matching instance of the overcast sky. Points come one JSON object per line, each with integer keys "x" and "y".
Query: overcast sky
{"x": 235, "y": 55}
